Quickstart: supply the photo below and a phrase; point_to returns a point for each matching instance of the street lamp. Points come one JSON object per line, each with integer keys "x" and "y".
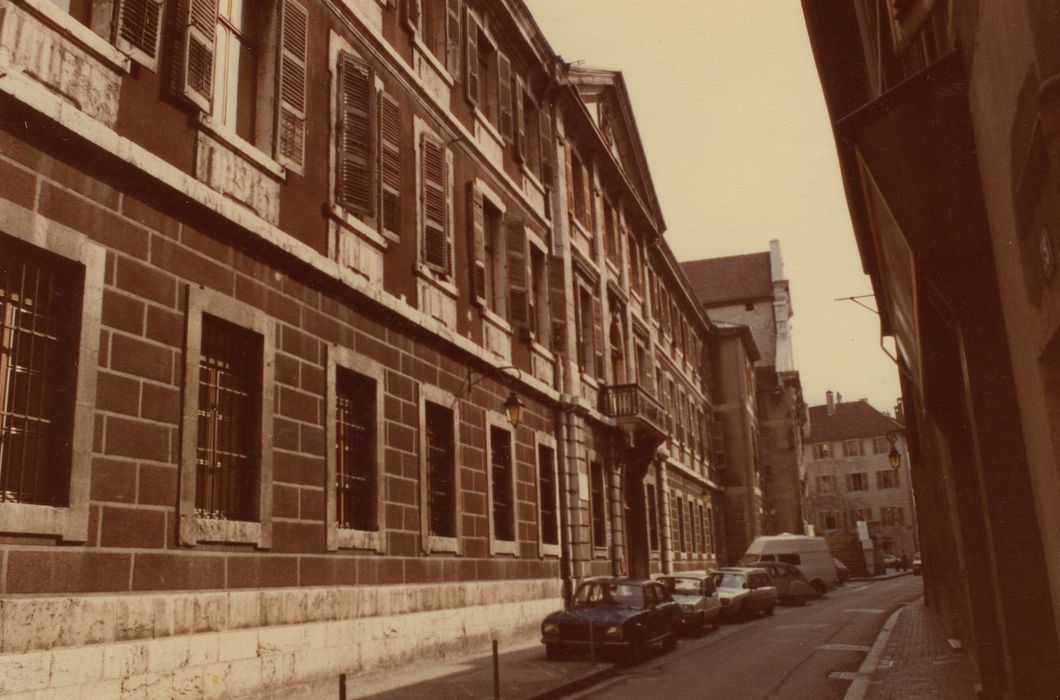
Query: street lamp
{"x": 513, "y": 405}
{"x": 894, "y": 456}
{"x": 513, "y": 409}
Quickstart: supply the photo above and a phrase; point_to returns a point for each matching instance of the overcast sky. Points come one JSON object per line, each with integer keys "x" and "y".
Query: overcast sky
{"x": 730, "y": 111}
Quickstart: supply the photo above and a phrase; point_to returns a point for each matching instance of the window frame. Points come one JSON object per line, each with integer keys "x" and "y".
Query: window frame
{"x": 434, "y": 543}
{"x": 822, "y": 450}
{"x": 497, "y": 421}
{"x": 542, "y": 440}
{"x": 599, "y": 547}
{"x": 853, "y": 448}
{"x": 345, "y": 538}
{"x": 195, "y": 529}
{"x": 853, "y": 479}
{"x": 888, "y": 475}
{"x": 70, "y": 522}
{"x": 444, "y": 279}
{"x": 823, "y": 479}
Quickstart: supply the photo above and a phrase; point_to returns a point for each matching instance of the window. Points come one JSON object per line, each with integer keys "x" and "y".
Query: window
{"x": 880, "y": 445}
{"x": 483, "y": 71}
{"x": 860, "y": 514}
{"x": 494, "y": 258}
{"x": 653, "y": 518}
{"x": 683, "y": 542}
{"x": 438, "y": 26}
{"x": 695, "y": 525}
{"x": 441, "y": 470}
{"x": 226, "y": 451}
{"x": 39, "y": 325}
{"x": 547, "y": 490}
{"x": 858, "y": 481}
{"x": 598, "y": 504}
{"x": 793, "y": 559}
{"x": 501, "y": 487}
{"x": 892, "y": 515}
{"x": 229, "y": 74}
{"x": 539, "y": 306}
{"x": 354, "y": 162}
{"x": 887, "y": 479}
{"x": 704, "y": 523}
{"x": 611, "y": 242}
{"x": 822, "y": 450}
{"x": 588, "y": 347}
{"x": 827, "y": 520}
{"x": 580, "y": 192}
{"x": 852, "y": 448}
{"x": 81, "y": 10}
{"x": 826, "y": 484}
{"x": 436, "y": 244}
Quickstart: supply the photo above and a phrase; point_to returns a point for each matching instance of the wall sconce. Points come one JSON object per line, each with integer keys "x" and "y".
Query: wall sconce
{"x": 513, "y": 405}
{"x": 894, "y": 456}
{"x": 513, "y": 409}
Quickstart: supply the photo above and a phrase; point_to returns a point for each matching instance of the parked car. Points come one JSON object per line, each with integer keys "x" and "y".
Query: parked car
{"x": 842, "y": 572}
{"x": 890, "y": 561}
{"x": 616, "y": 615}
{"x": 698, "y": 598}
{"x": 792, "y": 586}
{"x": 745, "y": 591}
{"x": 810, "y": 554}
{"x": 916, "y": 564}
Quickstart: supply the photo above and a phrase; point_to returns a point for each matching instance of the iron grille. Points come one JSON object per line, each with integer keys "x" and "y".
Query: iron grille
{"x": 546, "y": 460}
{"x": 599, "y": 500}
{"x": 503, "y": 503}
{"x": 355, "y": 485}
{"x": 40, "y": 299}
{"x": 441, "y": 470}
{"x": 228, "y": 453}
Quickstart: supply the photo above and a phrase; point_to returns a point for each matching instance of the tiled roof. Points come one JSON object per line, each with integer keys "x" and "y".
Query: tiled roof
{"x": 852, "y": 419}
{"x": 735, "y": 278}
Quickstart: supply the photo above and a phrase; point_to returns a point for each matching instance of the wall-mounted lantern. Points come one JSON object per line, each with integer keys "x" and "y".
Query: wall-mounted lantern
{"x": 894, "y": 456}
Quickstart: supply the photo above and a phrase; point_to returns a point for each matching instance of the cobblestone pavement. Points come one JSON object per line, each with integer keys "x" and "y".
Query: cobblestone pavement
{"x": 918, "y": 661}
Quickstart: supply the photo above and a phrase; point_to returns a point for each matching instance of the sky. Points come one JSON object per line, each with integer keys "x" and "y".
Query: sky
{"x": 729, "y": 108}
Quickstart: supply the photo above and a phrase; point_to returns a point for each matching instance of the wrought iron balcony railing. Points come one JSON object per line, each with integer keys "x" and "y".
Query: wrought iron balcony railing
{"x": 630, "y": 401}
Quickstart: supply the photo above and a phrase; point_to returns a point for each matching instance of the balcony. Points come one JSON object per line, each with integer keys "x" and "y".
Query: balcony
{"x": 634, "y": 408}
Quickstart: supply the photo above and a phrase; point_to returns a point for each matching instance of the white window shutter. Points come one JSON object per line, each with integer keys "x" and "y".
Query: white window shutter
{"x": 197, "y": 75}
{"x": 138, "y": 28}
{"x": 290, "y": 119}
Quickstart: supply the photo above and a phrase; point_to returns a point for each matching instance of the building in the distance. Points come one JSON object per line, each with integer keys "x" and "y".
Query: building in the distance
{"x": 751, "y": 290}
{"x": 850, "y": 478}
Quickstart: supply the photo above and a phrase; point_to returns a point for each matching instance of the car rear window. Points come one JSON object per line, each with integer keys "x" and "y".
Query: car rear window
{"x": 682, "y": 585}
{"x": 606, "y": 593}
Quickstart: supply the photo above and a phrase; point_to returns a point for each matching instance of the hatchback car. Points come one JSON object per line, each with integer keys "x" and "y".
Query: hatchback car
{"x": 793, "y": 588}
{"x": 698, "y": 598}
{"x": 745, "y": 591}
{"x": 618, "y": 615}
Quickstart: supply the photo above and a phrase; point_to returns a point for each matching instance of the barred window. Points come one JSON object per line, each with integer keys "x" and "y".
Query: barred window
{"x": 441, "y": 470}
{"x": 356, "y": 473}
{"x": 503, "y": 500}
{"x": 598, "y": 504}
{"x": 681, "y": 525}
{"x": 546, "y": 466}
{"x": 40, "y": 295}
{"x": 228, "y": 454}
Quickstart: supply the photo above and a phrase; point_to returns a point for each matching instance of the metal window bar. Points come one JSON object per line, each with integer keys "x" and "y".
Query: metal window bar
{"x": 503, "y": 505}
{"x": 227, "y": 455}
{"x": 598, "y": 505}
{"x": 441, "y": 471}
{"x": 36, "y": 376}
{"x": 355, "y": 485}
{"x": 549, "y": 514}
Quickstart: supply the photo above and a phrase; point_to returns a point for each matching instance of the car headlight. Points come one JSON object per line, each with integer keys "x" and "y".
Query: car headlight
{"x": 687, "y": 608}
{"x": 550, "y": 629}
{"x": 613, "y": 632}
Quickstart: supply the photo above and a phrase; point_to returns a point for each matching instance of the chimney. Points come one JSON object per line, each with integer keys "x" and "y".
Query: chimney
{"x": 830, "y": 400}
{"x": 838, "y": 398}
{"x": 776, "y": 263}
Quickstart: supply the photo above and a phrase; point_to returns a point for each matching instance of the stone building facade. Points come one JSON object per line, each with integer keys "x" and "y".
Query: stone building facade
{"x": 274, "y": 274}
{"x": 945, "y": 116}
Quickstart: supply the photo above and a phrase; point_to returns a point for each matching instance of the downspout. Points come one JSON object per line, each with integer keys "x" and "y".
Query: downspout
{"x": 566, "y": 561}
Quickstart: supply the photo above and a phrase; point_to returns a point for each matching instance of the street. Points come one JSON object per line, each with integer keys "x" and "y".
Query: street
{"x": 789, "y": 655}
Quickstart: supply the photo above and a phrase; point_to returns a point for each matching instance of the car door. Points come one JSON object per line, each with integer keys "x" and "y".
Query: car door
{"x": 664, "y": 610}
{"x": 710, "y": 596}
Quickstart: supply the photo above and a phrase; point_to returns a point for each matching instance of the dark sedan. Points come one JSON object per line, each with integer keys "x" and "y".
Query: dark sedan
{"x": 615, "y": 615}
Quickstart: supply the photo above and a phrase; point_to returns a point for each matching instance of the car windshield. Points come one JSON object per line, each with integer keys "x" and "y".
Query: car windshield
{"x": 607, "y": 593}
{"x": 682, "y": 585}
{"x": 727, "y": 579}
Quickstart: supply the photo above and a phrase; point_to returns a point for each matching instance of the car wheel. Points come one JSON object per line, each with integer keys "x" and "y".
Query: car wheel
{"x": 554, "y": 652}
{"x": 670, "y": 641}
{"x": 819, "y": 588}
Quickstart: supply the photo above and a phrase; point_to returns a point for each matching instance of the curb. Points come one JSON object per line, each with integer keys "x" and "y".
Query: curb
{"x": 881, "y": 577}
{"x": 575, "y": 684}
{"x": 863, "y": 677}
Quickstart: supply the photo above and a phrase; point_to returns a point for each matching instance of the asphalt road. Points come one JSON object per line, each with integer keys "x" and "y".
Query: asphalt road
{"x": 789, "y": 655}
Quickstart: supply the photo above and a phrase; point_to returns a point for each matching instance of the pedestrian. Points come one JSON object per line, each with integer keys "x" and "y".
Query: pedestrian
{"x": 904, "y": 561}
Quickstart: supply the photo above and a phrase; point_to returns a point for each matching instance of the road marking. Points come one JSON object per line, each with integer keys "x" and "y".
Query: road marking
{"x": 876, "y": 611}
{"x": 844, "y": 647}
{"x": 860, "y": 686}
{"x": 843, "y": 675}
{"x": 859, "y": 588}
{"x": 804, "y": 626}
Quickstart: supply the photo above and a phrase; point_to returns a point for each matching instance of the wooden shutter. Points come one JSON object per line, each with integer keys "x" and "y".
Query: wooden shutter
{"x": 139, "y": 26}
{"x": 354, "y": 174}
{"x": 452, "y": 37}
{"x": 198, "y": 52}
{"x": 518, "y": 276}
{"x": 548, "y": 153}
{"x": 410, "y": 13}
{"x": 520, "y": 120}
{"x": 504, "y": 94}
{"x": 435, "y": 207}
{"x": 477, "y": 244}
{"x": 568, "y": 159}
{"x": 290, "y": 121}
{"x": 598, "y": 334}
{"x": 472, "y": 78}
{"x": 390, "y": 162}
{"x": 557, "y": 303}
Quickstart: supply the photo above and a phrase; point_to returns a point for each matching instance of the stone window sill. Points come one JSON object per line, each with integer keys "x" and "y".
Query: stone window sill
{"x": 243, "y": 147}
{"x": 353, "y": 223}
{"x": 228, "y": 531}
{"x": 450, "y": 545}
{"x": 496, "y": 320}
{"x": 65, "y": 24}
{"x": 360, "y": 539}
{"x": 436, "y": 65}
{"x": 504, "y": 547}
{"x": 442, "y": 282}
{"x": 550, "y": 550}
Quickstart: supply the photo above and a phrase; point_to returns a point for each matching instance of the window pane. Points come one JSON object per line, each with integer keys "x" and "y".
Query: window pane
{"x": 599, "y": 500}
{"x": 355, "y": 486}
{"x": 441, "y": 470}
{"x": 503, "y": 503}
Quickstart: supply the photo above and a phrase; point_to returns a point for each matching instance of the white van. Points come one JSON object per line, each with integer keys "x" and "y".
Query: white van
{"x": 810, "y": 554}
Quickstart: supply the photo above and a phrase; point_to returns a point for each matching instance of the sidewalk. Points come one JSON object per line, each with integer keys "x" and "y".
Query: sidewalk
{"x": 913, "y": 659}
{"x": 524, "y": 675}
{"x": 882, "y": 577}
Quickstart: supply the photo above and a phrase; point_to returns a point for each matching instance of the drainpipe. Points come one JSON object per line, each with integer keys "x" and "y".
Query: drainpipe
{"x": 663, "y": 493}
{"x": 563, "y": 466}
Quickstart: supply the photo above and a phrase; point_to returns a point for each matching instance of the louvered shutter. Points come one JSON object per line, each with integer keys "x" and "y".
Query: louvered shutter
{"x": 390, "y": 162}
{"x": 518, "y": 276}
{"x": 353, "y": 179}
{"x": 568, "y": 159}
{"x": 598, "y": 335}
{"x": 477, "y": 243}
{"x": 472, "y": 77}
{"x": 520, "y": 120}
{"x": 557, "y": 292}
{"x": 139, "y": 26}
{"x": 504, "y": 94}
{"x": 410, "y": 13}
{"x": 199, "y": 51}
{"x": 435, "y": 208}
{"x": 290, "y": 120}
{"x": 452, "y": 37}
{"x": 548, "y": 153}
